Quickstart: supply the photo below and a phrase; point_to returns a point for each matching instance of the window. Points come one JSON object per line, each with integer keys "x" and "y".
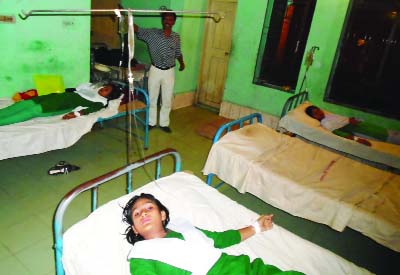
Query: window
{"x": 286, "y": 27}
{"x": 366, "y": 75}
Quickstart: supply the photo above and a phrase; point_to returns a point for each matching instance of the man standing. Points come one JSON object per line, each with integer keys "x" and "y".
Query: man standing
{"x": 164, "y": 47}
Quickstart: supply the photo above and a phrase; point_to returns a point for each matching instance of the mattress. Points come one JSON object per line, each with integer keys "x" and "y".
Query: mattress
{"x": 298, "y": 122}
{"x": 96, "y": 245}
{"x": 44, "y": 134}
{"x": 309, "y": 182}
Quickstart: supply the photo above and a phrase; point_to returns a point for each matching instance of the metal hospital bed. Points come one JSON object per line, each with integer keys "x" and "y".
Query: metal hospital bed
{"x": 295, "y": 120}
{"x": 45, "y": 134}
{"x": 97, "y": 245}
{"x": 138, "y": 108}
{"x": 306, "y": 180}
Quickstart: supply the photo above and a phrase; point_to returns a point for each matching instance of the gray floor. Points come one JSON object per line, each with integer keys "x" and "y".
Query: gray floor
{"x": 29, "y": 196}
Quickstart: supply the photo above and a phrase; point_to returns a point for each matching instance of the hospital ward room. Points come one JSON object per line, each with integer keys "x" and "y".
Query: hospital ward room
{"x": 246, "y": 137}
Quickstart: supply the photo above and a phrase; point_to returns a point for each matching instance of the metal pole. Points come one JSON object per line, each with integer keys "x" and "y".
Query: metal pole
{"x": 216, "y": 16}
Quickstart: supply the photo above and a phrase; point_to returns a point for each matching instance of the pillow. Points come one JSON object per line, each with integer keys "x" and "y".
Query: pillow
{"x": 299, "y": 113}
{"x": 46, "y": 84}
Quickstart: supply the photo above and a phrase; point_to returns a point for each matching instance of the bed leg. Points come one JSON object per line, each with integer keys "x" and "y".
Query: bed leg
{"x": 209, "y": 178}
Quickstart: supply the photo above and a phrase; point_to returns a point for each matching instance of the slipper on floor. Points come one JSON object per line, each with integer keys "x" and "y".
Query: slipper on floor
{"x": 62, "y": 167}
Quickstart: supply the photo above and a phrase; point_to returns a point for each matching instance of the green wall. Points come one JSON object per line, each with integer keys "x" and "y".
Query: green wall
{"x": 43, "y": 45}
{"x": 61, "y": 45}
{"x": 325, "y": 32}
{"x": 192, "y": 37}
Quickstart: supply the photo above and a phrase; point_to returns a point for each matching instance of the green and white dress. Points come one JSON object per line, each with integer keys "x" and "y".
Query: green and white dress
{"x": 224, "y": 264}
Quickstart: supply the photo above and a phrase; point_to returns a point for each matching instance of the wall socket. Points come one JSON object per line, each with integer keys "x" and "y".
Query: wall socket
{"x": 7, "y": 19}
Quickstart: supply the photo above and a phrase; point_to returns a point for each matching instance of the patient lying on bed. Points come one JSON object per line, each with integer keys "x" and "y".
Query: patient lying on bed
{"x": 87, "y": 98}
{"x": 352, "y": 128}
{"x": 181, "y": 248}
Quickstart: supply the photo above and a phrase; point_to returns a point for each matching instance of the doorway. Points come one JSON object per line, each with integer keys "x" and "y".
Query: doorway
{"x": 216, "y": 51}
{"x": 104, "y": 27}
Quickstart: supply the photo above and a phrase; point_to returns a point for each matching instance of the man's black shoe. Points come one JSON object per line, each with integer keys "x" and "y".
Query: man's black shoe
{"x": 151, "y": 127}
{"x": 166, "y": 129}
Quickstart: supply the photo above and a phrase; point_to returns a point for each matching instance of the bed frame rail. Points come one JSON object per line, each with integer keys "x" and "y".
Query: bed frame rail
{"x": 143, "y": 121}
{"x": 94, "y": 184}
{"x": 294, "y": 101}
{"x": 227, "y": 127}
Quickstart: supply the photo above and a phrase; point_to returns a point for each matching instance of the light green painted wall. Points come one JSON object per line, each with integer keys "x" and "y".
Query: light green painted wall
{"x": 325, "y": 32}
{"x": 43, "y": 45}
{"x": 191, "y": 32}
{"x": 190, "y": 28}
{"x": 61, "y": 45}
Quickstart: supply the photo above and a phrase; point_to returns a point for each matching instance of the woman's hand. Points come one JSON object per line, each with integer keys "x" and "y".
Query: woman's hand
{"x": 354, "y": 121}
{"x": 363, "y": 141}
{"x": 69, "y": 116}
{"x": 265, "y": 222}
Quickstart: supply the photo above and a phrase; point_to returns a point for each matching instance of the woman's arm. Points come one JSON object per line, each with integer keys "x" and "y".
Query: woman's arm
{"x": 342, "y": 133}
{"x": 350, "y": 136}
{"x": 72, "y": 115}
{"x": 263, "y": 223}
{"x": 234, "y": 236}
{"x": 354, "y": 121}
{"x": 91, "y": 108}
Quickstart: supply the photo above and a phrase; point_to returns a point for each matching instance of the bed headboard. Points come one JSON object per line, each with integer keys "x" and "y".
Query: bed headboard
{"x": 239, "y": 123}
{"x": 294, "y": 101}
{"x": 93, "y": 186}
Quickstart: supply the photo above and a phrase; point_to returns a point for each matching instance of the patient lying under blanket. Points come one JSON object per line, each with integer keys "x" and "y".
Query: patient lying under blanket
{"x": 352, "y": 128}
{"x": 86, "y": 98}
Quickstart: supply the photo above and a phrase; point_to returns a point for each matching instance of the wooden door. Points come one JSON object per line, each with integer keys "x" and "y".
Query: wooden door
{"x": 104, "y": 27}
{"x": 216, "y": 51}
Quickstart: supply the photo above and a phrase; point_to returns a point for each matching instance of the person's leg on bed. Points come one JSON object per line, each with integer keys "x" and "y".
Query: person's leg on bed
{"x": 19, "y": 111}
{"x": 365, "y": 130}
{"x": 371, "y": 130}
{"x": 241, "y": 264}
{"x": 394, "y": 137}
{"x": 259, "y": 267}
{"x": 15, "y": 108}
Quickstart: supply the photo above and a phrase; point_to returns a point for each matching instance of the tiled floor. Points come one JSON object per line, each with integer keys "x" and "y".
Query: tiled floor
{"x": 29, "y": 196}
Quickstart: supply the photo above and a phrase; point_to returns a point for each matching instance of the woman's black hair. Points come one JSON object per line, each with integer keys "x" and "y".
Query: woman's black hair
{"x": 114, "y": 94}
{"x": 115, "y": 91}
{"x": 131, "y": 237}
{"x": 309, "y": 110}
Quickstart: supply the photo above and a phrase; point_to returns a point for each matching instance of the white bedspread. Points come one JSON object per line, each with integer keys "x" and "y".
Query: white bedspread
{"x": 298, "y": 122}
{"x": 40, "y": 135}
{"x": 310, "y": 182}
{"x": 96, "y": 245}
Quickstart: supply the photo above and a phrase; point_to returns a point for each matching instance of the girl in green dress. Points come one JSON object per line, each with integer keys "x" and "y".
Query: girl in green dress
{"x": 87, "y": 98}
{"x": 184, "y": 249}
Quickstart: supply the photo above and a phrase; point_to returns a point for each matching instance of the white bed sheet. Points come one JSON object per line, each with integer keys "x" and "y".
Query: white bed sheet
{"x": 96, "y": 245}
{"x": 310, "y": 182}
{"x": 298, "y": 122}
{"x": 44, "y": 134}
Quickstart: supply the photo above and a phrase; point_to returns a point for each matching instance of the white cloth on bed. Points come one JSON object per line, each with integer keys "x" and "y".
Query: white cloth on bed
{"x": 309, "y": 181}
{"x": 332, "y": 122}
{"x": 96, "y": 245}
{"x": 44, "y": 134}
{"x": 90, "y": 92}
{"x": 298, "y": 122}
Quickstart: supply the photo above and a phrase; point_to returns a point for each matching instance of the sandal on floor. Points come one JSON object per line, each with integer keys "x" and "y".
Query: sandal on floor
{"x": 62, "y": 167}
